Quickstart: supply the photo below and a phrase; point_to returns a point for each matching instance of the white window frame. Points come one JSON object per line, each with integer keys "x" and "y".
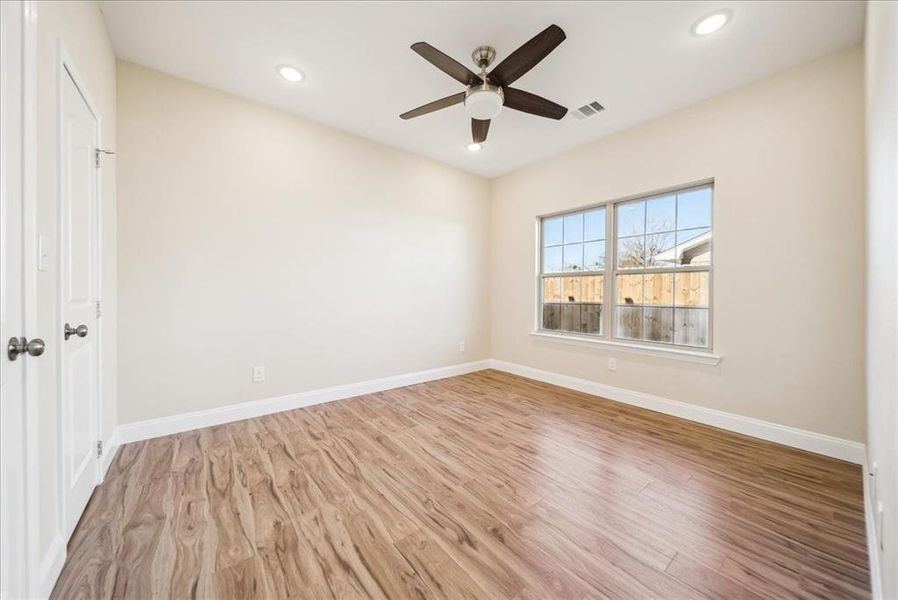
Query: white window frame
{"x": 609, "y": 306}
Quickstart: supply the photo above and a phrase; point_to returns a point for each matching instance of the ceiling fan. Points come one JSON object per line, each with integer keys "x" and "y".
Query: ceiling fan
{"x": 485, "y": 94}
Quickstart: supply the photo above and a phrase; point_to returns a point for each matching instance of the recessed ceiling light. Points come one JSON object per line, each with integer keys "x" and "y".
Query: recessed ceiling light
{"x": 711, "y": 23}
{"x": 291, "y": 74}
{"x": 475, "y": 147}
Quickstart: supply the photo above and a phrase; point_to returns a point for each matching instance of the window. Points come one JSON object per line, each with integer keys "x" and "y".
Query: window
{"x": 658, "y": 279}
{"x": 573, "y": 268}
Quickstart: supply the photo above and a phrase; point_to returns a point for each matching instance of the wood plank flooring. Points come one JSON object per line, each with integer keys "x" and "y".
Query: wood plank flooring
{"x": 481, "y": 486}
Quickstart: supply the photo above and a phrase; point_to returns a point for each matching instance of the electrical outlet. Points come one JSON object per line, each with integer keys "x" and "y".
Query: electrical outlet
{"x": 258, "y": 374}
{"x": 612, "y": 364}
{"x": 461, "y": 346}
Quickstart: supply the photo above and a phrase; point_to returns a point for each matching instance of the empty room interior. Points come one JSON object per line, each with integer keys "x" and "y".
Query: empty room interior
{"x": 449, "y": 300}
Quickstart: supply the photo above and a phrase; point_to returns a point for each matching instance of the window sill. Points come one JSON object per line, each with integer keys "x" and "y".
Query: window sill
{"x": 704, "y": 358}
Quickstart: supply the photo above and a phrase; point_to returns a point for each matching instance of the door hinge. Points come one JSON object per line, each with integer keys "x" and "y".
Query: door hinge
{"x": 99, "y": 448}
{"x": 97, "y": 153}
{"x": 99, "y": 312}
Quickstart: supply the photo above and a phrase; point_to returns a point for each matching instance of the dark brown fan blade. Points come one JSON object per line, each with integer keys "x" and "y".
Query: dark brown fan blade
{"x": 527, "y": 56}
{"x": 479, "y": 129}
{"x": 533, "y": 104}
{"x": 435, "y": 105}
{"x": 446, "y": 64}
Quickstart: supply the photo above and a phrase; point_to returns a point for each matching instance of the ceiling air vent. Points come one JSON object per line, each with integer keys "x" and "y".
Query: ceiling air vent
{"x": 588, "y": 110}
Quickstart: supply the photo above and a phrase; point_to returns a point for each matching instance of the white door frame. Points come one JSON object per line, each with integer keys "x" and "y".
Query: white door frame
{"x": 67, "y": 68}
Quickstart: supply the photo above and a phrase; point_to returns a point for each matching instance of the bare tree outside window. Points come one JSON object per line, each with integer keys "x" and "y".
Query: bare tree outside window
{"x": 637, "y": 251}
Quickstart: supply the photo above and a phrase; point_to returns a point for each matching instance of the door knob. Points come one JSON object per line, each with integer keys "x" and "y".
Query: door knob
{"x": 80, "y": 331}
{"x": 17, "y": 346}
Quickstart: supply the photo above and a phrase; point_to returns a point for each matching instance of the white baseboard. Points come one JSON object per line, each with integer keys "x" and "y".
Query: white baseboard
{"x": 790, "y": 436}
{"x": 872, "y": 545}
{"x": 51, "y": 566}
{"x": 142, "y": 430}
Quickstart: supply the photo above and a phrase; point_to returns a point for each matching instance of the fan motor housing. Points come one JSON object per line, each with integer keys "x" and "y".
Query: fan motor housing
{"x": 484, "y": 101}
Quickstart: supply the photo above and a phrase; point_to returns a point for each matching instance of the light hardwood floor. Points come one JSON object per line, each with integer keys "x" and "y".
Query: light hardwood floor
{"x": 480, "y": 486}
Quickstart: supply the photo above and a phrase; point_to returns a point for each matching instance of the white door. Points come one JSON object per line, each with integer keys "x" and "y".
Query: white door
{"x": 13, "y": 392}
{"x": 78, "y": 289}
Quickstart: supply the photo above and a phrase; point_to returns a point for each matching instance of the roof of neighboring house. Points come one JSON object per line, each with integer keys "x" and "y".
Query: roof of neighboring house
{"x": 685, "y": 252}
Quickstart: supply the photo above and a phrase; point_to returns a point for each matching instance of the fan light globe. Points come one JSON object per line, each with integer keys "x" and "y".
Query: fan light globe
{"x": 484, "y": 102}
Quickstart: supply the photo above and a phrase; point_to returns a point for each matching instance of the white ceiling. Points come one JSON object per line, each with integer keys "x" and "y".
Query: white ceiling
{"x": 638, "y": 59}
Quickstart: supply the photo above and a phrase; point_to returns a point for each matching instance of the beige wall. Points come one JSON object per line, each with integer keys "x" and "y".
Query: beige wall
{"x": 787, "y": 157}
{"x": 882, "y": 277}
{"x": 221, "y": 197}
{"x": 80, "y": 27}
{"x": 249, "y": 237}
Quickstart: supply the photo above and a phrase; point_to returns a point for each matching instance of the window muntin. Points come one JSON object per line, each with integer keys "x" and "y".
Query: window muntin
{"x": 658, "y": 279}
